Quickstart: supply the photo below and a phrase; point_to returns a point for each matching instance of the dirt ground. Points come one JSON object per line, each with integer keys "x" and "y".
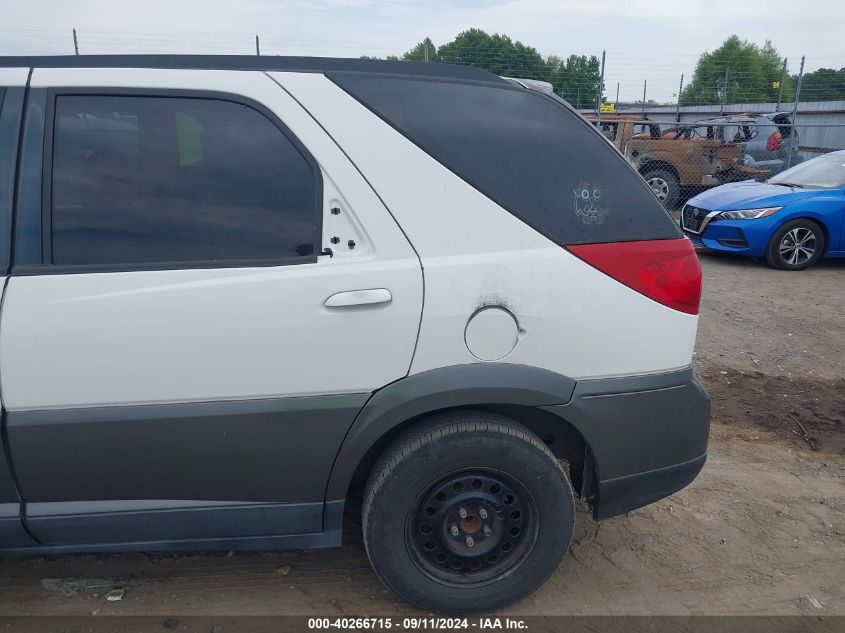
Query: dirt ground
{"x": 761, "y": 531}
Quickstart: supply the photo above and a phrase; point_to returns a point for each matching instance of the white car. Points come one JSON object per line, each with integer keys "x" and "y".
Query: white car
{"x": 238, "y": 288}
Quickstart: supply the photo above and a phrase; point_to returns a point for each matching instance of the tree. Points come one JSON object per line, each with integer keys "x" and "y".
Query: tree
{"x": 824, "y": 84}
{"x": 417, "y": 54}
{"x": 496, "y": 53}
{"x": 750, "y": 70}
{"x": 576, "y": 80}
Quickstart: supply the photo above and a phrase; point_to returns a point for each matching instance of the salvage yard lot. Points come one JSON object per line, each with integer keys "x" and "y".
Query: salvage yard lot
{"x": 761, "y": 531}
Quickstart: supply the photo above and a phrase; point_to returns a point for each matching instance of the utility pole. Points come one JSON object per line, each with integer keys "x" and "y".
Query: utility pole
{"x": 75, "y": 43}
{"x": 578, "y": 99}
{"x": 780, "y": 84}
{"x": 600, "y": 88}
{"x": 617, "y": 93}
{"x": 257, "y": 47}
{"x": 645, "y": 83}
{"x": 678, "y": 109}
{"x": 795, "y": 114}
{"x": 425, "y": 46}
{"x": 725, "y": 89}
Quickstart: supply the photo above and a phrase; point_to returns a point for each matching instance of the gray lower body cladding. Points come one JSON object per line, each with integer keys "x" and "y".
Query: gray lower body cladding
{"x": 275, "y": 473}
{"x": 647, "y": 436}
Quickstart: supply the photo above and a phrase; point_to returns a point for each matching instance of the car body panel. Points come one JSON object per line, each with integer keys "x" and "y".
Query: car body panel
{"x": 824, "y": 206}
{"x": 740, "y": 195}
{"x": 100, "y": 365}
{"x": 178, "y": 471}
{"x": 485, "y": 256}
{"x": 230, "y": 407}
{"x": 156, "y": 350}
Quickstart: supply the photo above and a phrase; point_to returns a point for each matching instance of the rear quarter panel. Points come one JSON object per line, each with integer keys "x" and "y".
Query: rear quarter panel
{"x": 572, "y": 318}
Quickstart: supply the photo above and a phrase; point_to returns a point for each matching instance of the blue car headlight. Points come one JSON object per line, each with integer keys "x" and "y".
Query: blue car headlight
{"x": 749, "y": 214}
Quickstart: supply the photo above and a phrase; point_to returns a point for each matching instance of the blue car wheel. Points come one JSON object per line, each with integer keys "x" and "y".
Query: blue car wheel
{"x": 796, "y": 245}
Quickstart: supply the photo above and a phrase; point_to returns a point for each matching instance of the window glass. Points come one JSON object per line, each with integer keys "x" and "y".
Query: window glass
{"x": 159, "y": 179}
{"x": 822, "y": 172}
{"x": 524, "y": 150}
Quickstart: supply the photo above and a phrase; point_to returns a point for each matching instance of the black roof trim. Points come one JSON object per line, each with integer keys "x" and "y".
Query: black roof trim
{"x": 256, "y": 62}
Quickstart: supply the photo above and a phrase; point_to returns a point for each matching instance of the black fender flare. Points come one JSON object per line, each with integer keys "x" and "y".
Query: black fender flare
{"x": 437, "y": 389}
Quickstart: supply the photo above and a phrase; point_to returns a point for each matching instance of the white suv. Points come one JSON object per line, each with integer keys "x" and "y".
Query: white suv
{"x": 238, "y": 288}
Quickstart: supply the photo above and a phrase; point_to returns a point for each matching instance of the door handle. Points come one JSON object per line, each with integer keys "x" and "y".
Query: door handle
{"x": 359, "y": 298}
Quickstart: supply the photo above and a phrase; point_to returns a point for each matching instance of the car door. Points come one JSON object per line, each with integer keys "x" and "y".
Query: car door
{"x": 12, "y": 86}
{"x": 212, "y": 293}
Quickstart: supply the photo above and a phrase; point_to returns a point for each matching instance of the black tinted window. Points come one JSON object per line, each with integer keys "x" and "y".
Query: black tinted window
{"x": 524, "y": 150}
{"x": 160, "y": 179}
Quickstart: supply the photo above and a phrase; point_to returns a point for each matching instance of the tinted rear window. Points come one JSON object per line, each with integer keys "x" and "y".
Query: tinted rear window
{"x": 525, "y": 151}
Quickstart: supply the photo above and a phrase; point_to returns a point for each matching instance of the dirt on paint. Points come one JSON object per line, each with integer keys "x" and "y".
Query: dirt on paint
{"x": 761, "y": 531}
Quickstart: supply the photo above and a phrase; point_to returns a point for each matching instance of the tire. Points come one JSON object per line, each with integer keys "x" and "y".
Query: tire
{"x": 664, "y": 184}
{"x": 781, "y": 252}
{"x": 517, "y": 502}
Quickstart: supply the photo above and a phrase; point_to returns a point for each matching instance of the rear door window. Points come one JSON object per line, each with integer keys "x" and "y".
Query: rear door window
{"x": 526, "y": 151}
{"x": 152, "y": 180}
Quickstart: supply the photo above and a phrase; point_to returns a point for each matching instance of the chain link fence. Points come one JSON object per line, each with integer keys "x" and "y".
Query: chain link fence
{"x": 680, "y": 159}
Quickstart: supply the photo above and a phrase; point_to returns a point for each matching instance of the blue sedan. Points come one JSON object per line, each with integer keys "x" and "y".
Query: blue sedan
{"x": 793, "y": 219}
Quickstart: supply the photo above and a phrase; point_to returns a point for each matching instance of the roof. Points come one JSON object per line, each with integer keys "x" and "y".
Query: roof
{"x": 260, "y": 63}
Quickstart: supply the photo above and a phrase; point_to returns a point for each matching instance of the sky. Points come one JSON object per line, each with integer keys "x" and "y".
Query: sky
{"x": 654, "y": 40}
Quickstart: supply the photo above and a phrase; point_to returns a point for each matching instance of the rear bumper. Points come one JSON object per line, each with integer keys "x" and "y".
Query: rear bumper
{"x": 646, "y": 436}
{"x": 622, "y": 494}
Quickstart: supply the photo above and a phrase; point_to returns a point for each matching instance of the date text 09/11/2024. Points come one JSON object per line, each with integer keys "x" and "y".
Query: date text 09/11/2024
{"x": 430, "y": 623}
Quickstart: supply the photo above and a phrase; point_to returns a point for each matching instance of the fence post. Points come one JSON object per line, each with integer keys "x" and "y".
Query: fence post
{"x": 795, "y": 114}
{"x": 678, "y": 108}
{"x": 780, "y": 84}
{"x": 600, "y": 88}
{"x": 645, "y": 83}
{"x": 75, "y": 43}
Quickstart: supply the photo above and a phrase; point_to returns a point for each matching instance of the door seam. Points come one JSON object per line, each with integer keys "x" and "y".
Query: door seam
{"x": 7, "y": 448}
{"x": 373, "y": 189}
{"x": 4, "y": 434}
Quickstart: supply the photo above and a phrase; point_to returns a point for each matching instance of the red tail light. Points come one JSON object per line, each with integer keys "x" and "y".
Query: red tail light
{"x": 773, "y": 144}
{"x": 664, "y": 270}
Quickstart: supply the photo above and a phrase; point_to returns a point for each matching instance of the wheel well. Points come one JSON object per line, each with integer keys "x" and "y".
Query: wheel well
{"x": 658, "y": 164}
{"x": 560, "y": 436}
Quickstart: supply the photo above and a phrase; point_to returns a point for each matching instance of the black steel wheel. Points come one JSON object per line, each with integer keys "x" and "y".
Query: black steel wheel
{"x": 472, "y": 527}
{"x": 467, "y": 512}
